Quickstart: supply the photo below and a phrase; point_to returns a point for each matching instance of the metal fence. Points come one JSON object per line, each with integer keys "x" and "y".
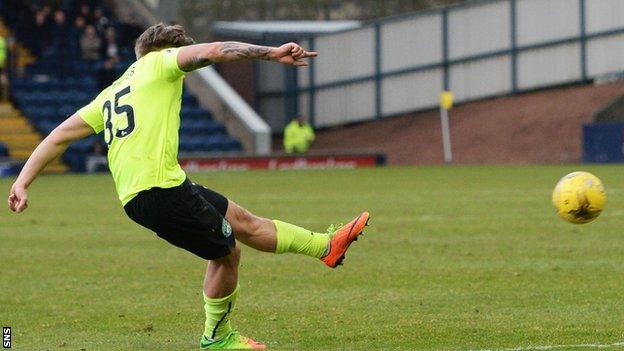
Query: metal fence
{"x": 481, "y": 49}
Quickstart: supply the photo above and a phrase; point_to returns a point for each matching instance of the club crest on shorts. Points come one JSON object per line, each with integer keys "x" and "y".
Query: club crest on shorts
{"x": 226, "y": 228}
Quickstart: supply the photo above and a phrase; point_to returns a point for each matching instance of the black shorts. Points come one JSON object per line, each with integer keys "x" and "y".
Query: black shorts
{"x": 188, "y": 216}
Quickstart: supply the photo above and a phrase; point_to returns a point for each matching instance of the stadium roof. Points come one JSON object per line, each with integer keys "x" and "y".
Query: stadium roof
{"x": 260, "y": 29}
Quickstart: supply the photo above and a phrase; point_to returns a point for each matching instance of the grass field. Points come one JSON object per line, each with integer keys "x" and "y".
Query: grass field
{"x": 457, "y": 258}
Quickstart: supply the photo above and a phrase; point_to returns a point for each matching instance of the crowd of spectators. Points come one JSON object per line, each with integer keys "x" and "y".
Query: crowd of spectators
{"x": 66, "y": 30}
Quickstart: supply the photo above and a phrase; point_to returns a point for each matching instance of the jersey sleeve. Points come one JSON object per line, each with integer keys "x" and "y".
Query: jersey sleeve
{"x": 92, "y": 115}
{"x": 169, "y": 64}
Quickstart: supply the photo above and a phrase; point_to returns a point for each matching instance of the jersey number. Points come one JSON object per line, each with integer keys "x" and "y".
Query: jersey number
{"x": 118, "y": 109}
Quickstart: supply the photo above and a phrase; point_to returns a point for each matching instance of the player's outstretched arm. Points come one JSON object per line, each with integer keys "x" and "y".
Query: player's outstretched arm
{"x": 51, "y": 147}
{"x": 193, "y": 57}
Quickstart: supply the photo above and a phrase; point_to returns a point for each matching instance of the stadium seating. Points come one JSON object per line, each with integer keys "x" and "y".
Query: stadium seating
{"x": 18, "y": 138}
{"x": 47, "y": 101}
{"x": 58, "y": 83}
{"x": 4, "y": 151}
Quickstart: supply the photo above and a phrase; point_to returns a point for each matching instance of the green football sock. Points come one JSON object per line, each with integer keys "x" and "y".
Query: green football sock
{"x": 218, "y": 313}
{"x": 291, "y": 238}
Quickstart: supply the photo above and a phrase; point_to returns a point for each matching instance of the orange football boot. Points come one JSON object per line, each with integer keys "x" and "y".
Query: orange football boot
{"x": 342, "y": 239}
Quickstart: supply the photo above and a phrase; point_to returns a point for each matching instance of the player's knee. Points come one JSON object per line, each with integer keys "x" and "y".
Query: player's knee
{"x": 231, "y": 260}
{"x": 236, "y": 255}
{"x": 246, "y": 221}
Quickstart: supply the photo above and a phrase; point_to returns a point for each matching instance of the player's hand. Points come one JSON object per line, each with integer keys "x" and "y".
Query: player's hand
{"x": 291, "y": 54}
{"x": 18, "y": 198}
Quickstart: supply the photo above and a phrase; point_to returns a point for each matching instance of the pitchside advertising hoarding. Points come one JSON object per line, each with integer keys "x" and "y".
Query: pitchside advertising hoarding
{"x": 195, "y": 164}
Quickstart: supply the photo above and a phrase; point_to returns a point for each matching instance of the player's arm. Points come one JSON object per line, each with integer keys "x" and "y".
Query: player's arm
{"x": 193, "y": 57}
{"x": 51, "y": 147}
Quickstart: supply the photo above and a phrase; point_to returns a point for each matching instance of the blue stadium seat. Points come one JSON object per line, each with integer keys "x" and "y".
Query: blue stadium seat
{"x": 4, "y": 150}
{"x": 47, "y": 97}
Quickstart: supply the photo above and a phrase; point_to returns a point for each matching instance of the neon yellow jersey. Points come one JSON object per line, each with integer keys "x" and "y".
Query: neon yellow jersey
{"x": 3, "y": 51}
{"x": 140, "y": 116}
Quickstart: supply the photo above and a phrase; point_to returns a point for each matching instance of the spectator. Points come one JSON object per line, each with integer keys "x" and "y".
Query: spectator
{"x": 3, "y": 68}
{"x": 110, "y": 49}
{"x": 129, "y": 32}
{"x": 41, "y": 28}
{"x": 80, "y": 23}
{"x": 99, "y": 20}
{"x": 3, "y": 52}
{"x": 60, "y": 32}
{"x": 96, "y": 160}
{"x": 107, "y": 74}
{"x": 85, "y": 12}
{"x": 90, "y": 44}
{"x": 76, "y": 33}
{"x": 298, "y": 136}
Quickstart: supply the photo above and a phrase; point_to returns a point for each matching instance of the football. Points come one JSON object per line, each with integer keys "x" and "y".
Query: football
{"x": 579, "y": 197}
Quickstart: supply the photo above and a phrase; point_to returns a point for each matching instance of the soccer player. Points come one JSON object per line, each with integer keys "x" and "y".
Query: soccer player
{"x": 139, "y": 115}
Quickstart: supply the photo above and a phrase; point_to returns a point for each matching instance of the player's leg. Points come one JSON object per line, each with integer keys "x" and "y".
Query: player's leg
{"x": 253, "y": 231}
{"x": 274, "y": 236}
{"x": 280, "y": 237}
{"x": 222, "y": 275}
{"x": 220, "y": 292}
{"x": 185, "y": 218}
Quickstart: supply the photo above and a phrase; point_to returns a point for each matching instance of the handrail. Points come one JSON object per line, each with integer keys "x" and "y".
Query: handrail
{"x": 238, "y": 106}
{"x": 214, "y": 93}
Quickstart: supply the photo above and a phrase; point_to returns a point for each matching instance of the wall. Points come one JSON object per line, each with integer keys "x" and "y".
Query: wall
{"x": 483, "y": 49}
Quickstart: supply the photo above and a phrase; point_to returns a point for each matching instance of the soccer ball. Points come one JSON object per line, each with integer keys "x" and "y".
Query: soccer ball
{"x": 579, "y": 197}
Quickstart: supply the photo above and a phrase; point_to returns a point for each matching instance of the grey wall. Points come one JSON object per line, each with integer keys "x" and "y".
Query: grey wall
{"x": 483, "y": 49}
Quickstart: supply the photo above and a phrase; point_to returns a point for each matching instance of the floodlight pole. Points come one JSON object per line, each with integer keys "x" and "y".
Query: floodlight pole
{"x": 446, "y": 103}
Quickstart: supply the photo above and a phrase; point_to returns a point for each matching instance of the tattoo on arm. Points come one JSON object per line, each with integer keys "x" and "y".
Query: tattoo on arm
{"x": 196, "y": 63}
{"x": 245, "y": 51}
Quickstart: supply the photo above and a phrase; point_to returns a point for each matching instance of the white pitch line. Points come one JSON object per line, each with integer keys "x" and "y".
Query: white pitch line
{"x": 555, "y": 347}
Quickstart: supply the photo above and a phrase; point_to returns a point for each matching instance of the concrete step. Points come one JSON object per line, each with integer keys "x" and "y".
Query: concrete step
{"x": 21, "y": 140}
{"x": 56, "y": 167}
{"x": 21, "y": 129}
{"x": 15, "y": 125}
{"x": 24, "y": 153}
{"x": 14, "y": 114}
{"x": 20, "y": 153}
{"x": 6, "y": 108}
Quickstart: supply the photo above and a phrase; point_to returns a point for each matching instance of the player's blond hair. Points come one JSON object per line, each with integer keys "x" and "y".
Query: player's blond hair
{"x": 161, "y": 36}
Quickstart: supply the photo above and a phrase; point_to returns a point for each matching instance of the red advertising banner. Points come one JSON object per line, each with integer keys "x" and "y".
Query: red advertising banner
{"x": 197, "y": 164}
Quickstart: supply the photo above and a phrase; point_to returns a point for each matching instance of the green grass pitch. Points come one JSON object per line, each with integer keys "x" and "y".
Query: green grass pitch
{"x": 457, "y": 258}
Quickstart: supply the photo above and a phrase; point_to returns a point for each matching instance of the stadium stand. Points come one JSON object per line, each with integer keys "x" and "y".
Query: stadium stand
{"x": 60, "y": 81}
{"x": 4, "y": 151}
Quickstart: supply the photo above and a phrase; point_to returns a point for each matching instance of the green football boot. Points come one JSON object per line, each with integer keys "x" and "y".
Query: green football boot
{"x": 232, "y": 341}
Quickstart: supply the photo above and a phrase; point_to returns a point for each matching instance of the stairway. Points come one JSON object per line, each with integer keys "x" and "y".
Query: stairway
{"x": 16, "y": 132}
{"x": 21, "y": 138}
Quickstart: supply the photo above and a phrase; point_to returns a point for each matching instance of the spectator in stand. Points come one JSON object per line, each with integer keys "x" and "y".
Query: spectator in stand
{"x": 130, "y": 30}
{"x": 90, "y": 44}
{"x": 76, "y": 33}
{"x": 96, "y": 160}
{"x": 298, "y": 136}
{"x": 3, "y": 52}
{"x": 110, "y": 48}
{"x": 85, "y": 12}
{"x": 80, "y": 24}
{"x": 60, "y": 48}
{"x": 3, "y": 69}
{"x": 99, "y": 20}
{"x": 60, "y": 30}
{"x": 107, "y": 74}
{"x": 41, "y": 29}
